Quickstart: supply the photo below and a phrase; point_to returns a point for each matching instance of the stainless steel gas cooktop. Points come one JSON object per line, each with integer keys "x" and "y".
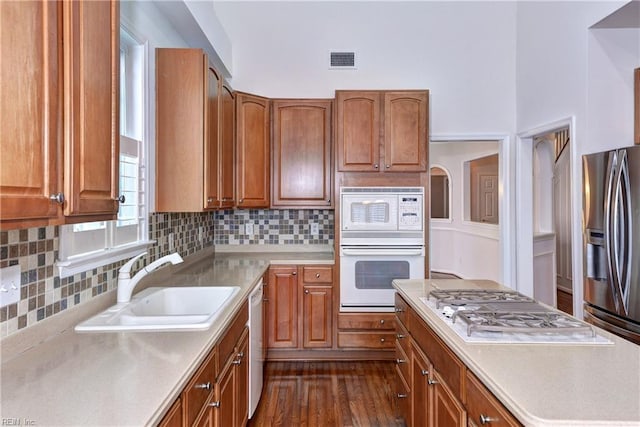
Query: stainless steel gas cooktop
{"x": 506, "y": 316}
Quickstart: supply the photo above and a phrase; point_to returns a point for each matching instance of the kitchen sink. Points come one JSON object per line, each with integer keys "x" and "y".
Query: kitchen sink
{"x": 164, "y": 309}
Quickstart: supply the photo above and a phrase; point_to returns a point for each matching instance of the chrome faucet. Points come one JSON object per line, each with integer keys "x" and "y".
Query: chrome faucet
{"x": 126, "y": 283}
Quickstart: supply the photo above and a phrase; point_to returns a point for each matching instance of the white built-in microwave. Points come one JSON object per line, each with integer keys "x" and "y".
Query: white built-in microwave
{"x": 381, "y": 215}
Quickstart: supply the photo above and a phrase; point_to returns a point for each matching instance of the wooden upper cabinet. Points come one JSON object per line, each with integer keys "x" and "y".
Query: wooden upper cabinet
{"x": 30, "y": 109}
{"x": 211, "y": 149}
{"x": 405, "y": 131}
{"x": 59, "y": 111}
{"x": 301, "y": 153}
{"x": 358, "y": 131}
{"x": 252, "y": 146}
{"x": 91, "y": 128}
{"x": 380, "y": 131}
{"x": 194, "y": 141}
{"x": 227, "y": 146}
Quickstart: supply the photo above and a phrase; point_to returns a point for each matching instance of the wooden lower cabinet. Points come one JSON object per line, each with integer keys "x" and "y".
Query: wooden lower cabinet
{"x": 318, "y": 311}
{"x": 442, "y": 391}
{"x": 366, "y": 331}
{"x": 218, "y": 397}
{"x": 282, "y": 307}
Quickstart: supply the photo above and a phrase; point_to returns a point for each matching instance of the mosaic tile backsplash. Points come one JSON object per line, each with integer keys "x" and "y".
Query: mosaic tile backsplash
{"x": 44, "y": 293}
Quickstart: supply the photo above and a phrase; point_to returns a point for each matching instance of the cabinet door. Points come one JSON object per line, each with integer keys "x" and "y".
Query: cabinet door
{"x": 402, "y": 399}
{"x": 447, "y": 410}
{"x": 212, "y": 140}
{"x": 242, "y": 381}
{"x": 405, "y": 131}
{"x": 253, "y": 159}
{"x": 91, "y": 107}
{"x": 421, "y": 397}
{"x": 224, "y": 405}
{"x": 282, "y": 308}
{"x": 301, "y": 153}
{"x": 358, "y": 131}
{"x": 317, "y": 316}
{"x": 227, "y": 147}
{"x": 174, "y": 416}
{"x": 30, "y": 109}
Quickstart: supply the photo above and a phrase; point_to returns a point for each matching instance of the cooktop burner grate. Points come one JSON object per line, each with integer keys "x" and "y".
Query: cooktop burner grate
{"x": 525, "y": 322}
{"x": 475, "y": 296}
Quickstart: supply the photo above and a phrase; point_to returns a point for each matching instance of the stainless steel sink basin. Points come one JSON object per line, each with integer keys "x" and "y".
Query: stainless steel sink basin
{"x": 163, "y": 309}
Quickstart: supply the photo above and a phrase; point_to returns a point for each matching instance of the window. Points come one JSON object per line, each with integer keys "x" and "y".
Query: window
{"x": 439, "y": 193}
{"x": 88, "y": 245}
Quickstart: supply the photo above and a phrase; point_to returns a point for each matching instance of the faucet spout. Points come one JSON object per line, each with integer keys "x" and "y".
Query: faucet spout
{"x": 126, "y": 283}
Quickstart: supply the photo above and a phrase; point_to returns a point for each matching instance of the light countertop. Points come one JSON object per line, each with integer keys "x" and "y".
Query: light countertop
{"x": 545, "y": 384}
{"x": 52, "y": 375}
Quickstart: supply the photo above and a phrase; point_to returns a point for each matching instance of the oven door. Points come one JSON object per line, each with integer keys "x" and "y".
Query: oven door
{"x": 366, "y": 274}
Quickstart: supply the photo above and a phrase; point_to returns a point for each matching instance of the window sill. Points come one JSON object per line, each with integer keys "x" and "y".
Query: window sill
{"x": 82, "y": 263}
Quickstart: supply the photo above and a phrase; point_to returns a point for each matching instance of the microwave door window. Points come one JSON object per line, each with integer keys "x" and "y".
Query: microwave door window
{"x": 379, "y": 274}
{"x": 370, "y": 213}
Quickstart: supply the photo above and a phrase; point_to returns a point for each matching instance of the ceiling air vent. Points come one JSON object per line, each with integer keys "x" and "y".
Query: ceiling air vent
{"x": 342, "y": 60}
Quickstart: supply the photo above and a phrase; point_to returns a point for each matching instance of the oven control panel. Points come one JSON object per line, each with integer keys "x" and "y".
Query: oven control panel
{"x": 410, "y": 212}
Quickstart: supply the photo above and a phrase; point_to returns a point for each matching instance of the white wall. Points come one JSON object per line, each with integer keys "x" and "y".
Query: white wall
{"x": 469, "y": 250}
{"x": 464, "y": 52}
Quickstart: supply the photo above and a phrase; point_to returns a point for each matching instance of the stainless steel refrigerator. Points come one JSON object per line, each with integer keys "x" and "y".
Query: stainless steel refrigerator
{"x": 611, "y": 221}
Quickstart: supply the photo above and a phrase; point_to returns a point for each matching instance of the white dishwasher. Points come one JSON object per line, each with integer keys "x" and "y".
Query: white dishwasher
{"x": 255, "y": 348}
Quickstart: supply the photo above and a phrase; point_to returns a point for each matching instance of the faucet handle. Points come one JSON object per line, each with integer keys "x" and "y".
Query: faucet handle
{"x": 125, "y": 270}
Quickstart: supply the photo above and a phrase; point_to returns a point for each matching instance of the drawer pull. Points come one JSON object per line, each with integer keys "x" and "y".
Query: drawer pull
{"x": 381, "y": 339}
{"x": 399, "y": 310}
{"x": 215, "y": 404}
{"x": 424, "y": 372}
{"x": 306, "y": 291}
{"x": 382, "y": 321}
{"x": 401, "y": 395}
{"x": 432, "y": 382}
{"x": 400, "y": 336}
{"x": 399, "y": 361}
{"x": 206, "y": 386}
{"x": 484, "y": 420}
{"x": 317, "y": 275}
{"x": 237, "y": 362}
{"x": 241, "y": 354}
{"x": 294, "y": 273}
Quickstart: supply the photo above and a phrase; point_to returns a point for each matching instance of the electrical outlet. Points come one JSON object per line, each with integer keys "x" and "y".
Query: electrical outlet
{"x": 9, "y": 285}
{"x": 315, "y": 230}
{"x": 248, "y": 229}
{"x": 172, "y": 243}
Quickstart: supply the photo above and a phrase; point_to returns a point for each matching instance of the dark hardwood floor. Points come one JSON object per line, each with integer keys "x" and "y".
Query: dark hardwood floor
{"x": 327, "y": 394}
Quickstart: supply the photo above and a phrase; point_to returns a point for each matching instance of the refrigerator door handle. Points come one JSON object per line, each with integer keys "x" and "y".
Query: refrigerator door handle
{"x": 626, "y": 231}
{"x": 609, "y": 226}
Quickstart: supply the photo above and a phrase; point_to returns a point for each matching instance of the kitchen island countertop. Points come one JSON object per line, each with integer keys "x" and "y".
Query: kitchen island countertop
{"x": 544, "y": 384}
{"x": 52, "y": 375}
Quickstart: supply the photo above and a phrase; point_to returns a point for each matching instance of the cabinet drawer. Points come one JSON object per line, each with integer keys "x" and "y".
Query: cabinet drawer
{"x": 231, "y": 337}
{"x": 403, "y": 363}
{"x": 451, "y": 368}
{"x": 483, "y": 406}
{"x": 196, "y": 393}
{"x": 401, "y": 308}
{"x": 373, "y": 340}
{"x": 402, "y": 338}
{"x": 365, "y": 321}
{"x": 317, "y": 274}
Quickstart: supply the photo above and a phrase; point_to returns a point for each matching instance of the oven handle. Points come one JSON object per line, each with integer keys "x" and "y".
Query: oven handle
{"x": 382, "y": 251}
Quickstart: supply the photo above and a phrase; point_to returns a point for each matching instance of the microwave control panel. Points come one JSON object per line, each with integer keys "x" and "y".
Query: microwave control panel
{"x": 410, "y": 212}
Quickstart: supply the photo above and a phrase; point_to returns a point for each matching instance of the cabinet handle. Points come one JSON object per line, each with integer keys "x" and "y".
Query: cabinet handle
{"x": 424, "y": 372}
{"x": 58, "y": 198}
{"x": 210, "y": 199}
{"x": 241, "y": 201}
{"x": 375, "y": 166}
{"x": 237, "y": 362}
{"x": 317, "y": 275}
{"x": 381, "y": 339}
{"x": 206, "y": 386}
{"x": 265, "y": 299}
{"x": 306, "y": 291}
{"x": 382, "y": 321}
{"x": 484, "y": 420}
{"x": 399, "y": 310}
{"x": 241, "y": 354}
{"x": 215, "y": 404}
{"x": 294, "y": 273}
{"x": 399, "y": 361}
{"x": 120, "y": 199}
{"x": 387, "y": 166}
{"x": 400, "y": 336}
{"x": 329, "y": 201}
{"x": 432, "y": 382}
{"x": 401, "y": 395}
